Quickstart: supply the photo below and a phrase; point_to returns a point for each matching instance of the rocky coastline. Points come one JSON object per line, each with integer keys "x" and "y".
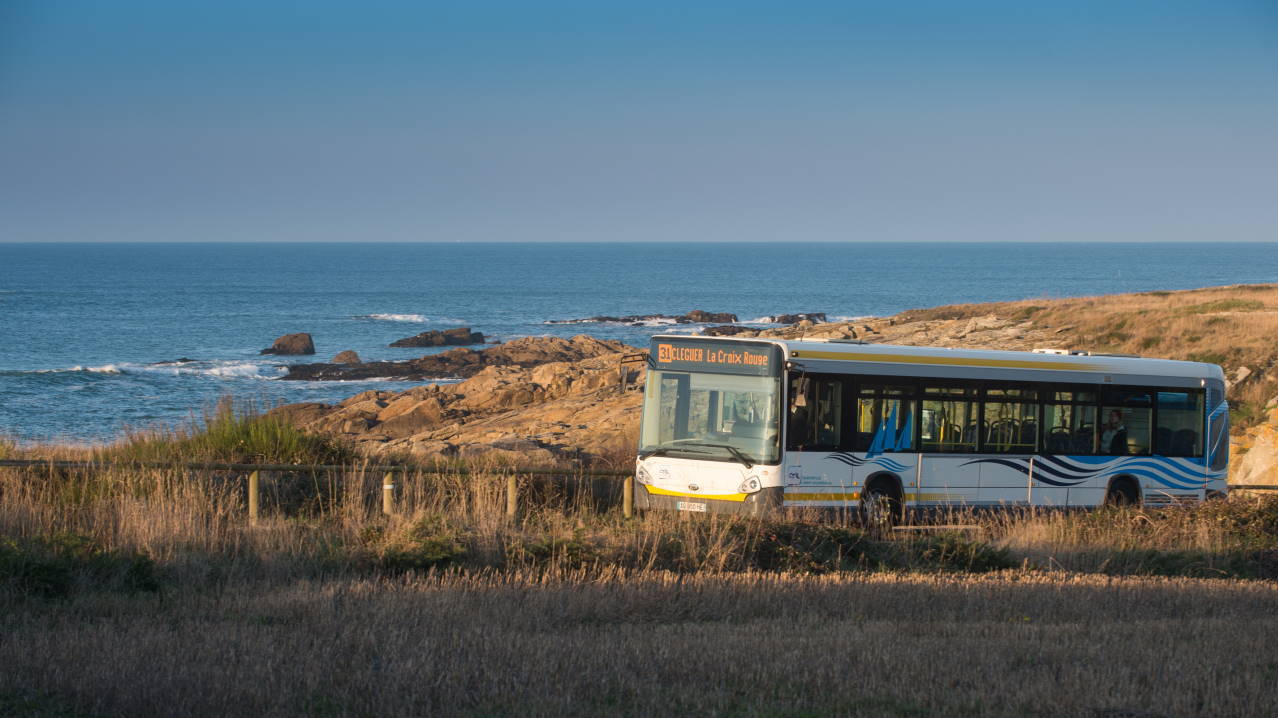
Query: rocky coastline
{"x": 548, "y": 400}
{"x": 696, "y": 316}
{"x": 459, "y": 363}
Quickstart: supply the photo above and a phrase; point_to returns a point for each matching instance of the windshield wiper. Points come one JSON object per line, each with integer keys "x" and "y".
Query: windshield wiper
{"x": 665, "y": 451}
{"x": 737, "y": 454}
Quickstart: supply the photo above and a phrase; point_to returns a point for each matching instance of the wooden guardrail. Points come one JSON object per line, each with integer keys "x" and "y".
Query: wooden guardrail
{"x": 388, "y": 472}
{"x": 1253, "y": 487}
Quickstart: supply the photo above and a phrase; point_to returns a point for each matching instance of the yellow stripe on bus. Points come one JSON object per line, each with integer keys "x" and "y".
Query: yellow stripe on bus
{"x": 682, "y": 495}
{"x": 852, "y": 496}
{"x": 855, "y": 496}
{"x": 948, "y": 361}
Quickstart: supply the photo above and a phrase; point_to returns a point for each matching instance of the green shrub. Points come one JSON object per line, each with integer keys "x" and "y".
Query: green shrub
{"x": 55, "y": 566}
{"x": 1207, "y": 357}
{"x": 1225, "y": 305}
{"x": 235, "y": 435}
{"x": 955, "y": 552}
{"x": 817, "y": 548}
{"x": 426, "y": 543}
{"x": 1251, "y": 522}
{"x": 574, "y": 552}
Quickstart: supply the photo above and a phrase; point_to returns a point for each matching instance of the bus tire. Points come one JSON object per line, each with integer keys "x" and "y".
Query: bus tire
{"x": 880, "y": 504}
{"x": 1123, "y": 491}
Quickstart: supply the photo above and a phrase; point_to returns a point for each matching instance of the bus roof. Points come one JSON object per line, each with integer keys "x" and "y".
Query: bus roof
{"x": 836, "y": 356}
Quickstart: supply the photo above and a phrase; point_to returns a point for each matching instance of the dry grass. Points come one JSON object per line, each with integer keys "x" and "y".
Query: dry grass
{"x": 1231, "y": 326}
{"x": 654, "y": 644}
{"x": 327, "y": 608}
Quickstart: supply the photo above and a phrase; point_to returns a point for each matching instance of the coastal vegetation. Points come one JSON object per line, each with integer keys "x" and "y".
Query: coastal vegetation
{"x": 230, "y": 434}
{"x": 130, "y": 590}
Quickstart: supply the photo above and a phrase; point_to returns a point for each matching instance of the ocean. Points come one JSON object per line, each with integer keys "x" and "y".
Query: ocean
{"x": 85, "y": 329}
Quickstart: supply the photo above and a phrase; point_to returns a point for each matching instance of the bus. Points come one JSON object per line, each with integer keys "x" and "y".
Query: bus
{"x": 753, "y": 426}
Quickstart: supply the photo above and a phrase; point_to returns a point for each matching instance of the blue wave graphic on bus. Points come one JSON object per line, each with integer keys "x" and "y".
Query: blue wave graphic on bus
{"x": 1174, "y": 473}
{"x": 880, "y": 461}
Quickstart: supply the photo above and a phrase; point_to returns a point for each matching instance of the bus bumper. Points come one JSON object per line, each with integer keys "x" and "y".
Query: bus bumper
{"x": 761, "y": 502}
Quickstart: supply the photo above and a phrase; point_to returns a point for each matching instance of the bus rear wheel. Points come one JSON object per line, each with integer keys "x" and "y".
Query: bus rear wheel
{"x": 880, "y": 507}
{"x": 1122, "y": 492}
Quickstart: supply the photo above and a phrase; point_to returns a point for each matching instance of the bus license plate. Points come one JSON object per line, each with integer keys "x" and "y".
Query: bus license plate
{"x": 691, "y": 506}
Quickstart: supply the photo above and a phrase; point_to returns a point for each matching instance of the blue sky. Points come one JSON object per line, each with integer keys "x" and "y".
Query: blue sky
{"x": 592, "y": 121}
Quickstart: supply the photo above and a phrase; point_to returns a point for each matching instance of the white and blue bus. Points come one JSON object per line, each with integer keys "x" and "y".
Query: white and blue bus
{"x": 750, "y": 425}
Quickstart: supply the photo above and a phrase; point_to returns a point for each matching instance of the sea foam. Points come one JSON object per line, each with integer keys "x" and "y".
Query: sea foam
{"x": 414, "y": 318}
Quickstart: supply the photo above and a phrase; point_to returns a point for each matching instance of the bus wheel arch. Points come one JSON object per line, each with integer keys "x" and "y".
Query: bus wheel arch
{"x": 1123, "y": 490}
{"x": 882, "y": 501}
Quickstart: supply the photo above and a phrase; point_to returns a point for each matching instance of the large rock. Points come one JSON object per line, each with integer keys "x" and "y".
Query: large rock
{"x": 292, "y": 344}
{"x": 696, "y": 316}
{"x": 461, "y": 336}
{"x": 703, "y": 317}
{"x": 1258, "y": 464}
{"x": 346, "y": 357}
{"x": 814, "y": 317}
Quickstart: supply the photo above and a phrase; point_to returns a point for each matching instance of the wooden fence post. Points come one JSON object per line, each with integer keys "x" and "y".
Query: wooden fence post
{"x": 253, "y": 492}
{"x": 512, "y": 497}
{"x": 628, "y": 497}
{"x": 388, "y": 493}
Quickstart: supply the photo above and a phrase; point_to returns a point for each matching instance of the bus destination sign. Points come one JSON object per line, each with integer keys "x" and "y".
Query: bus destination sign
{"x": 716, "y": 356}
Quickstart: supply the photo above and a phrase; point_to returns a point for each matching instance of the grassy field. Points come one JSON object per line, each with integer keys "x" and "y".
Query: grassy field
{"x": 652, "y": 643}
{"x": 131, "y": 591}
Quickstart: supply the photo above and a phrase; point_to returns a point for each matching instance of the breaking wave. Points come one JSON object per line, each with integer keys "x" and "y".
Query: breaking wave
{"x": 409, "y": 318}
{"x": 104, "y": 369}
{"x": 217, "y": 369}
{"x": 414, "y": 318}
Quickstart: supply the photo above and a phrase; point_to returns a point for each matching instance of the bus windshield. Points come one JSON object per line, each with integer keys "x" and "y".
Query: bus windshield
{"x": 720, "y": 417}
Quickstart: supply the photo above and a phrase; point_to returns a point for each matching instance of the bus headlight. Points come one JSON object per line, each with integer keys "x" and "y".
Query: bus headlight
{"x": 642, "y": 476}
{"x": 749, "y": 486}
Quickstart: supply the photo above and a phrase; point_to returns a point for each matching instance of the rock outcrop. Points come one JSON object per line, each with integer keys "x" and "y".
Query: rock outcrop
{"x": 1254, "y": 460}
{"x": 814, "y": 317}
{"x": 462, "y": 363}
{"x": 346, "y": 357}
{"x": 461, "y": 336}
{"x": 702, "y": 317}
{"x": 729, "y": 330}
{"x": 696, "y": 316}
{"x": 291, "y": 345}
{"x": 546, "y": 405}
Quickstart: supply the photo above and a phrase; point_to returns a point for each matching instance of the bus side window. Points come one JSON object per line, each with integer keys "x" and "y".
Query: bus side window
{"x": 884, "y": 420}
{"x": 816, "y": 413}
{"x": 1180, "y": 418}
{"x": 1126, "y": 423}
{"x": 1069, "y": 422}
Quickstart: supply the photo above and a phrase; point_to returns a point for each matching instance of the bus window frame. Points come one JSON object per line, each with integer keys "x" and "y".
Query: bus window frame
{"x": 845, "y": 429}
{"x": 859, "y": 386}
